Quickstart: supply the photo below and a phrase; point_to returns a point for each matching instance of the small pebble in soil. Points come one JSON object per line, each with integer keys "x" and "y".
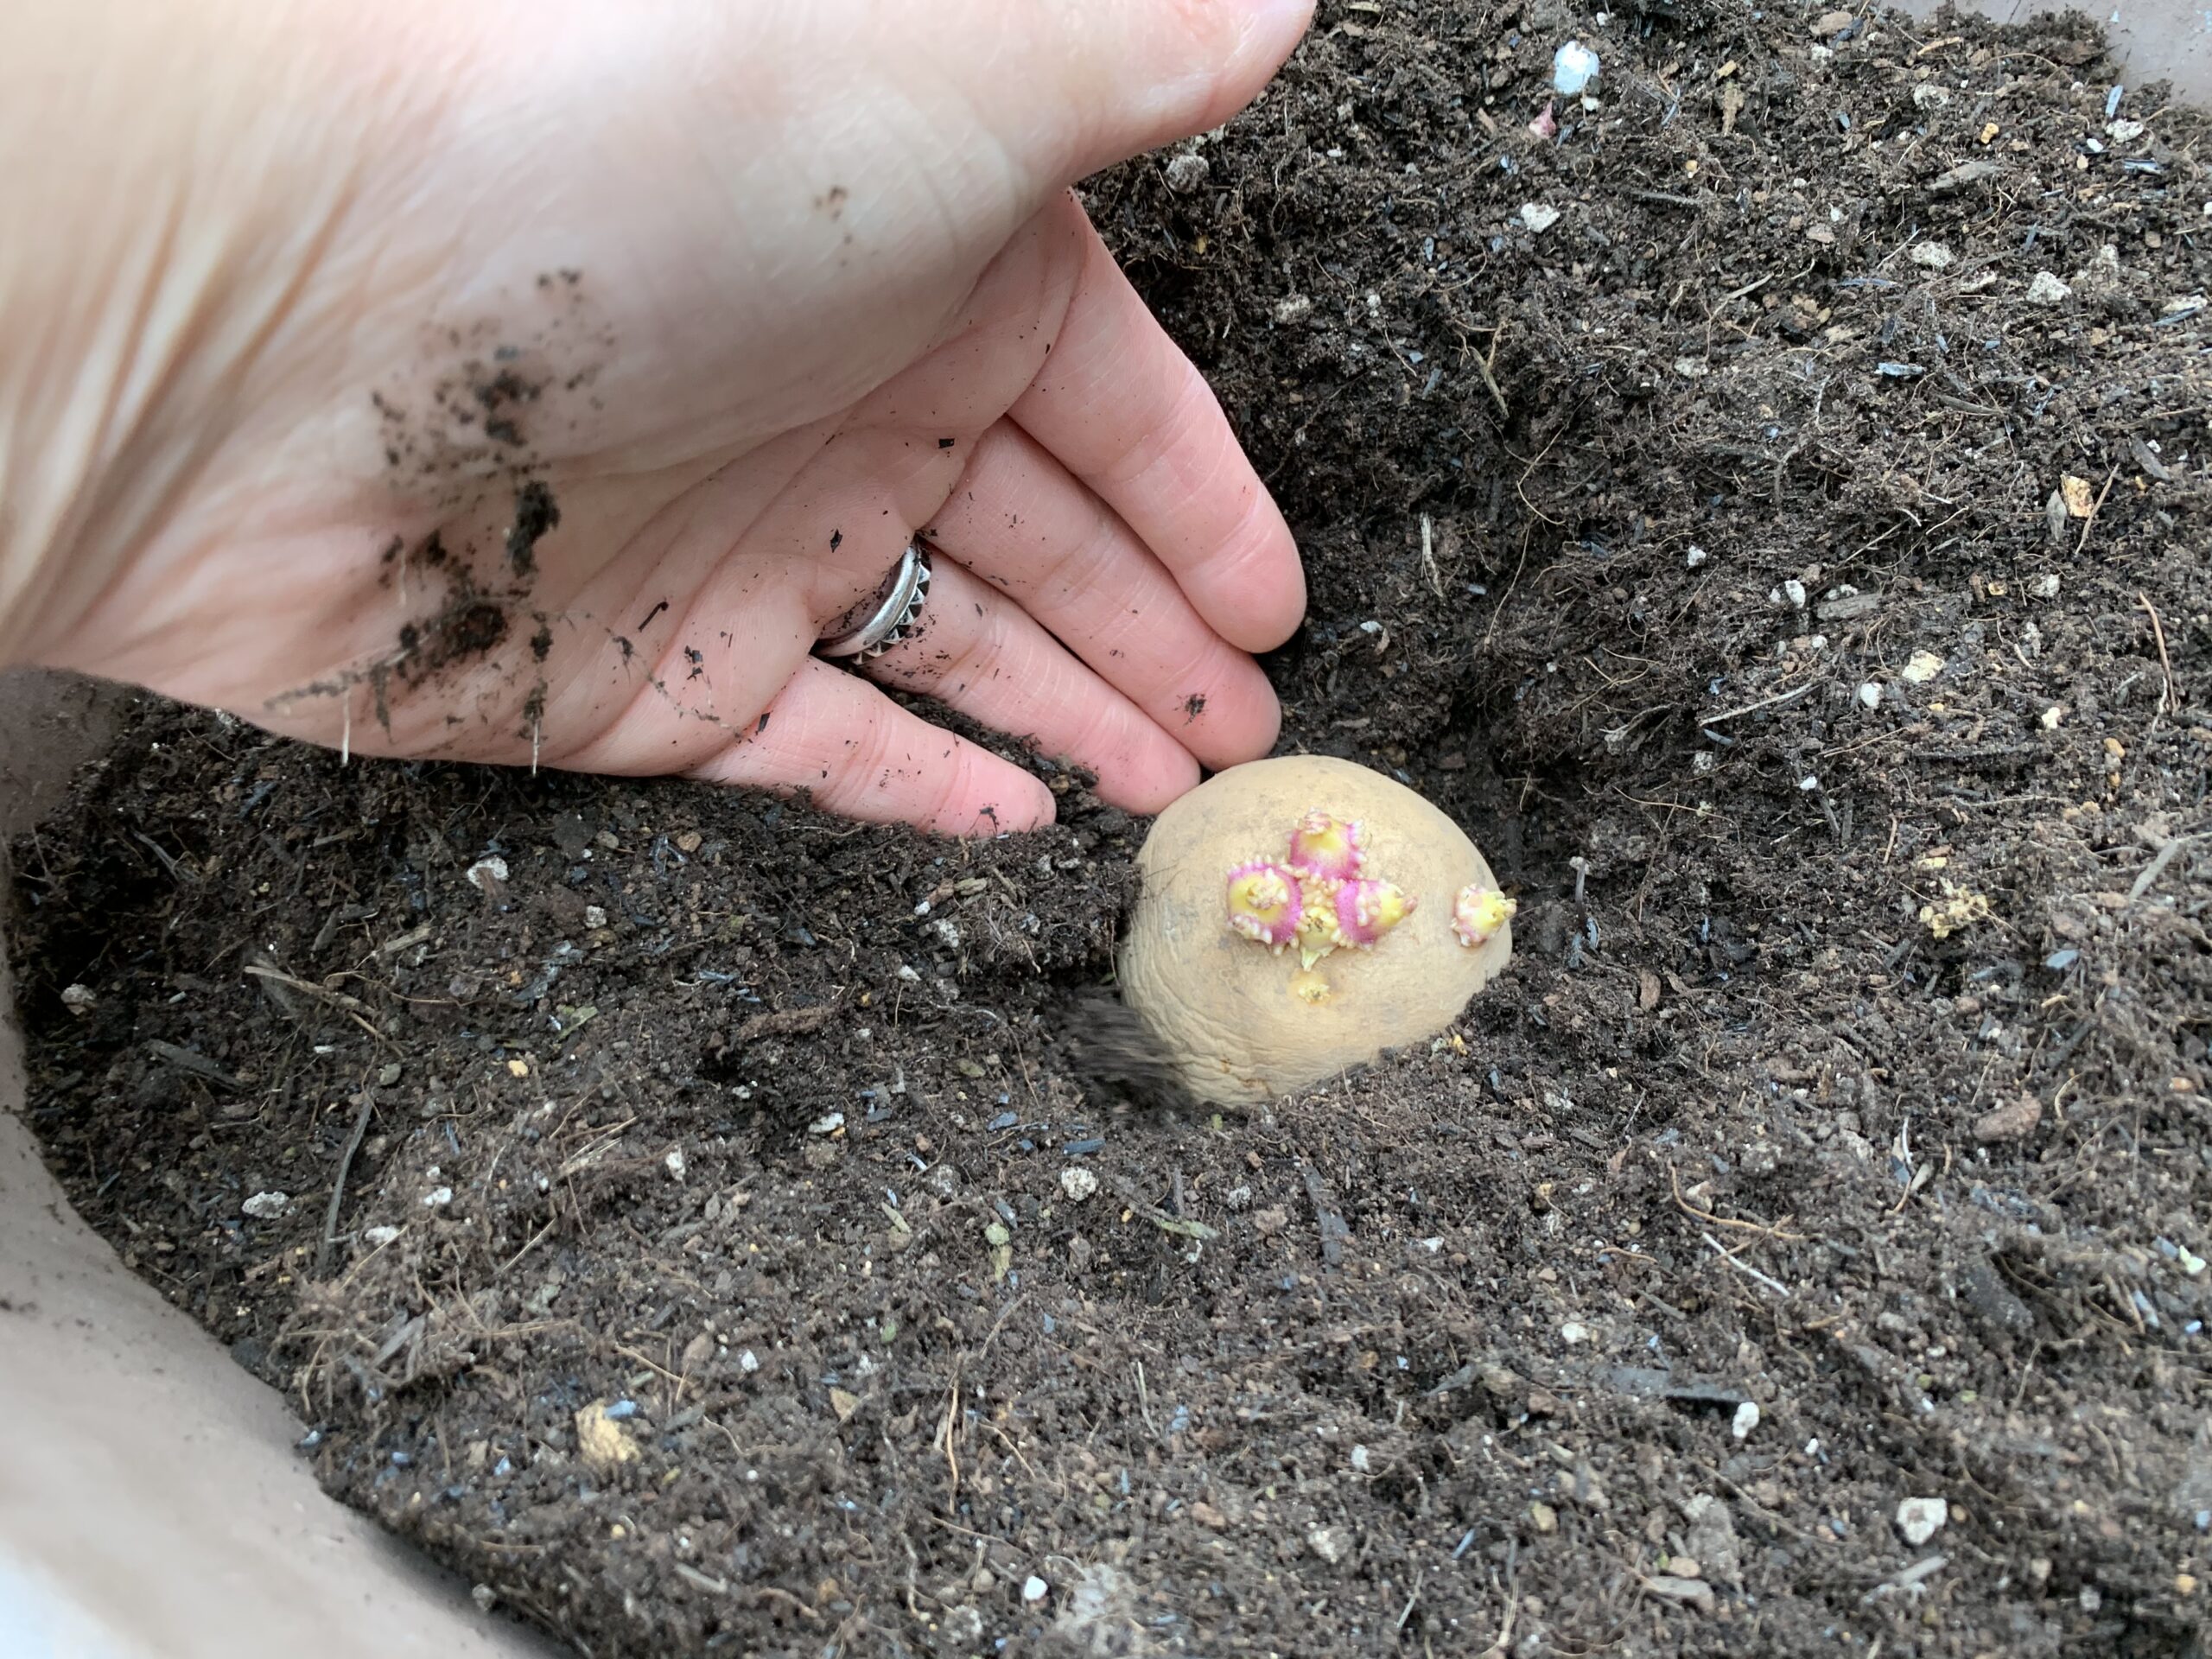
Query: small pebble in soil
{"x": 1539, "y": 216}
{"x": 1870, "y": 695}
{"x": 829, "y": 1124}
{"x": 1079, "y": 1183}
{"x": 1747, "y": 1419}
{"x": 267, "y": 1206}
{"x": 2047, "y": 290}
{"x": 1034, "y": 1589}
{"x": 675, "y": 1163}
{"x": 437, "y": 1197}
{"x": 1921, "y": 667}
{"x": 1572, "y": 1332}
{"x": 78, "y": 1000}
{"x": 1919, "y": 1519}
{"x": 1693, "y": 558}
{"x": 2051, "y": 717}
{"x": 1693, "y": 1591}
{"x": 1574, "y": 66}
{"x": 594, "y": 918}
{"x": 748, "y": 1362}
{"x": 1187, "y": 173}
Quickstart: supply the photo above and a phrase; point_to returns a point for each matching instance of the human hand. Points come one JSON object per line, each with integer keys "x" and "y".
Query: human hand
{"x": 750, "y": 296}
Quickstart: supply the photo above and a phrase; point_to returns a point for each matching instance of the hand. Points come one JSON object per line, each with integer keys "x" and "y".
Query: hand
{"x": 747, "y": 296}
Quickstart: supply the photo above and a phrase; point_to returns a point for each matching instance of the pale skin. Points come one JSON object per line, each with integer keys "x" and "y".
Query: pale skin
{"x": 756, "y": 292}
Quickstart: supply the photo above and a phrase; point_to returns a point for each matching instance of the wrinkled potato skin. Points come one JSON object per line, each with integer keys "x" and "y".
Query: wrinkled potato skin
{"x": 1224, "y": 1006}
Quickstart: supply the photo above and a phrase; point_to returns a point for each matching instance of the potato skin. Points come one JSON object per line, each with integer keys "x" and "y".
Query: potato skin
{"x": 1234, "y": 1029}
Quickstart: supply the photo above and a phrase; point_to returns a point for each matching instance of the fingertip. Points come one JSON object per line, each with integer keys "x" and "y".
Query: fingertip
{"x": 1256, "y": 587}
{"x": 1151, "y": 789}
{"x": 1239, "y": 719}
{"x": 1266, "y": 729}
{"x": 993, "y": 797}
{"x": 1158, "y": 71}
{"x": 1269, "y": 32}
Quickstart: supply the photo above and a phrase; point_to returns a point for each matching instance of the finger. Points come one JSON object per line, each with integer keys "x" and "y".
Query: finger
{"x": 974, "y": 651}
{"x": 1022, "y": 525}
{"x": 857, "y": 754}
{"x": 1126, "y": 412}
{"x": 1069, "y": 88}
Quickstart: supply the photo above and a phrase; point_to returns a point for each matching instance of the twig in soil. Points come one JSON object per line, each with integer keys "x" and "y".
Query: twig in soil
{"x": 199, "y": 1064}
{"x": 177, "y": 872}
{"x": 782, "y": 1597}
{"x": 1007, "y": 1440}
{"x": 2090, "y": 523}
{"x": 1412, "y": 1602}
{"x": 1487, "y": 369}
{"x": 2157, "y": 866}
{"x": 946, "y": 1431}
{"x": 527, "y": 1247}
{"x": 1325, "y": 1215}
{"x": 1921, "y": 1177}
{"x": 1504, "y": 1645}
{"x": 1781, "y": 1523}
{"x": 1712, "y": 1220}
{"x": 1504, "y": 598}
{"x": 665, "y": 1375}
{"x": 1144, "y": 1403}
{"x": 1908, "y": 1579}
{"x": 2168, "y": 697}
{"x": 352, "y": 1008}
{"x": 1744, "y": 1267}
{"x": 338, "y": 1187}
{"x": 1152, "y": 1212}
{"x": 1791, "y": 696}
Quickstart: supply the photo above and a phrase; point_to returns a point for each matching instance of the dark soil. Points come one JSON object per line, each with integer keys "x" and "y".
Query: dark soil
{"x": 1853, "y": 1065}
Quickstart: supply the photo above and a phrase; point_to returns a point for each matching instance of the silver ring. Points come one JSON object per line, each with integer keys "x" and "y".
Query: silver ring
{"x": 875, "y": 625}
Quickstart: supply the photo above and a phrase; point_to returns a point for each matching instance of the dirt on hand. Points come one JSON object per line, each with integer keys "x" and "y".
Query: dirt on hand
{"x": 1768, "y": 510}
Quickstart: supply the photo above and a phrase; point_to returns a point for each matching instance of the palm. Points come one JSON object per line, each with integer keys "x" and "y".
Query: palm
{"x": 742, "y": 420}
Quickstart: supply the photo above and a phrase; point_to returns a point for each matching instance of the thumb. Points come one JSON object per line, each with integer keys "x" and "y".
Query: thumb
{"x": 1070, "y": 86}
